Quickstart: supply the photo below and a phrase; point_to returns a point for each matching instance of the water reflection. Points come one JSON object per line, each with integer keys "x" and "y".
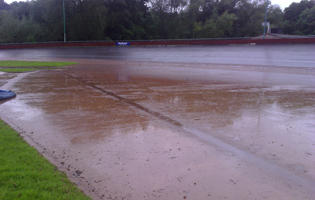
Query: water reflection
{"x": 25, "y": 112}
{"x": 91, "y": 104}
{"x": 82, "y": 112}
{"x": 140, "y": 130}
{"x": 81, "y": 108}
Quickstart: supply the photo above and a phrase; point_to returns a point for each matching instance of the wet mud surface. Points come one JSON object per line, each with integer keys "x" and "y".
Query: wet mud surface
{"x": 152, "y": 130}
{"x": 289, "y": 55}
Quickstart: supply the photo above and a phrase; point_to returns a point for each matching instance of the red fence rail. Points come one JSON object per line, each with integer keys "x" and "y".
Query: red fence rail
{"x": 164, "y": 43}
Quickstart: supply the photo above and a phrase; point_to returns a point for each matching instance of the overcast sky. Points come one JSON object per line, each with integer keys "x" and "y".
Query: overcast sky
{"x": 282, "y": 3}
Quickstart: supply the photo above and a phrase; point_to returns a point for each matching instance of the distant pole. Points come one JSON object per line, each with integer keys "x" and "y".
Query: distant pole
{"x": 265, "y": 19}
{"x": 64, "y": 23}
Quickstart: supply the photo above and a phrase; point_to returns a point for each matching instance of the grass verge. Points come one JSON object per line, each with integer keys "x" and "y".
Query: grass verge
{"x": 24, "y": 66}
{"x": 25, "y": 174}
{"x": 17, "y": 70}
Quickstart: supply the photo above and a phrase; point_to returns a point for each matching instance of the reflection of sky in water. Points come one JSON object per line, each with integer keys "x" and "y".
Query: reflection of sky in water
{"x": 202, "y": 104}
{"x": 267, "y": 55}
{"x": 23, "y": 110}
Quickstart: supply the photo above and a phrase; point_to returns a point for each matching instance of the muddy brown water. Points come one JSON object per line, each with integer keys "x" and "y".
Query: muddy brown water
{"x": 150, "y": 130}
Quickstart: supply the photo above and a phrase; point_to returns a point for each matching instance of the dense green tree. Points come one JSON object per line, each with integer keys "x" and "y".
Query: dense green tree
{"x": 13, "y": 30}
{"x": 217, "y": 26}
{"x": 4, "y": 5}
{"x": 161, "y": 17}
{"x": 20, "y": 9}
{"x": 292, "y": 14}
{"x": 42, "y": 20}
{"x": 191, "y": 16}
{"x": 48, "y": 13}
{"x": 168, "y": 16}
{"x": 306, "y": 22}
{"x": 127, "y": 19}
{"x": 275, "y": 16}
{"x": 85, "y": 20}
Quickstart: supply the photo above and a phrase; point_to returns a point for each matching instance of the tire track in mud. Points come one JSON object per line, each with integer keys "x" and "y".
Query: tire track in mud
{"x": 305, "y": 182}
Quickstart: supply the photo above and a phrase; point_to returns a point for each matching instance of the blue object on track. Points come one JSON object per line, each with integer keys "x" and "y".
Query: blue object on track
{"x": 4, "y": 95}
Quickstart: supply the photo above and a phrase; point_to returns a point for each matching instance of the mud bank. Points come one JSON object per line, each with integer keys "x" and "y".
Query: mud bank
{"x": 150, "y": 130}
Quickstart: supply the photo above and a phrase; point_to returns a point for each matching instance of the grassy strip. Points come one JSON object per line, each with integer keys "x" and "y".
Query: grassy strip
{"x": 25, "y": 66}
{"x": 17, "y": 70}
{"x": 24, "y": 174}
{"x": 11, "y": 63}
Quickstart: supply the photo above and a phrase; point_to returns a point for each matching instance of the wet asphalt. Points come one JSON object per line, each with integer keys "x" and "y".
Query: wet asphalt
{"x": 231, "y": 122}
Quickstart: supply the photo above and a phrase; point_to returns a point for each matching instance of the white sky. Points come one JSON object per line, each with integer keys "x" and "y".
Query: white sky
{"x": 282, "y": 3}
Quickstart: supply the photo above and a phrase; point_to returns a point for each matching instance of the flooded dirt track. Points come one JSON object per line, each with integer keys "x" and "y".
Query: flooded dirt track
{"x": 156, "y": 130}
{"x": 290, "y": 55}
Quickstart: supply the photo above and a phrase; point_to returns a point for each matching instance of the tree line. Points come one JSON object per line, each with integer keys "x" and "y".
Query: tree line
{"x": 42, "y": 20}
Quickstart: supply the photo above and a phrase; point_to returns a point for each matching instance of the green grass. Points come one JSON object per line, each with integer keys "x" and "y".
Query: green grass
{"x": 24, "y": 66}
{"x": 11, "y": 63}
{"x": 24, "y": 174}
{"x": 17, "y": 70}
